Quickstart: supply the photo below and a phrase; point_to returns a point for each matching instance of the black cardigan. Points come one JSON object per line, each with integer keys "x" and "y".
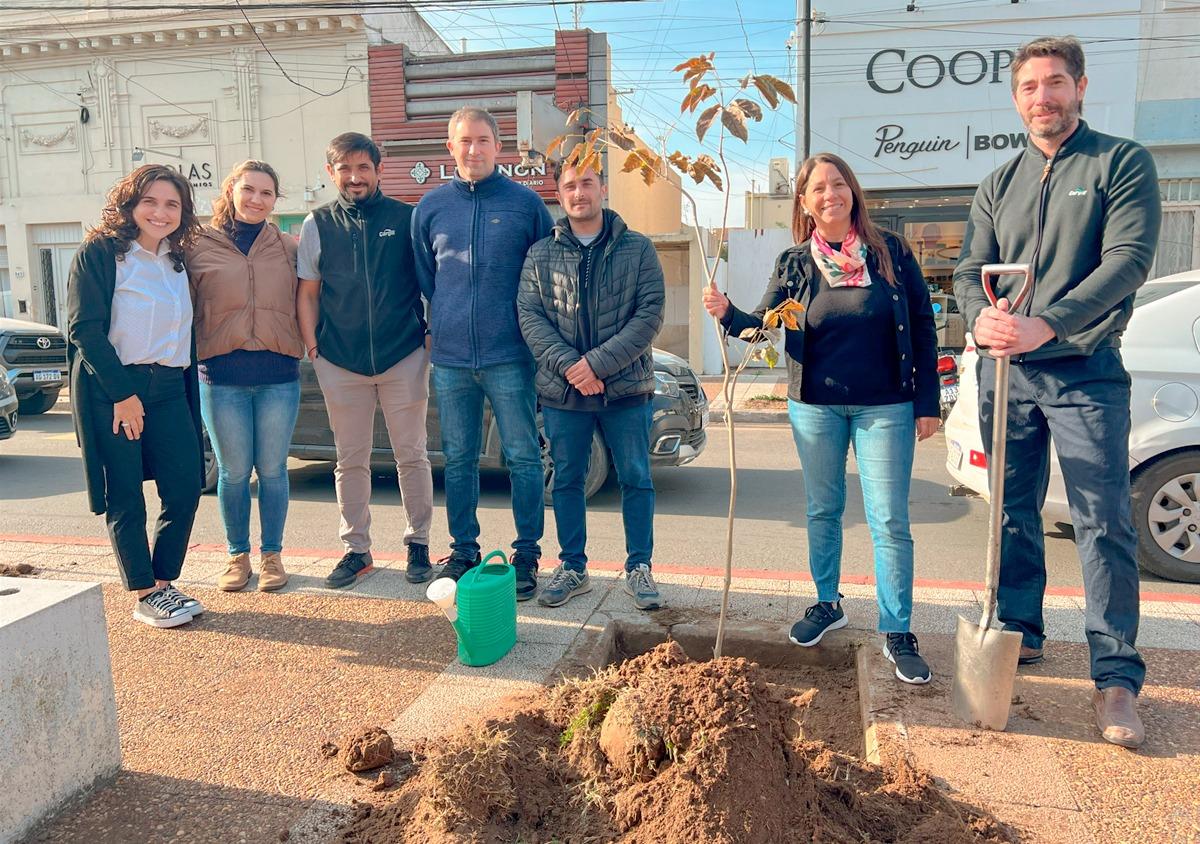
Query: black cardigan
{"x": 94, "y": 364}
{"x": 796, "y": 277}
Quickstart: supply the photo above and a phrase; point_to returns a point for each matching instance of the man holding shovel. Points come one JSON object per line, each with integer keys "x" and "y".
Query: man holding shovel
{"x": 1083, "y": 210}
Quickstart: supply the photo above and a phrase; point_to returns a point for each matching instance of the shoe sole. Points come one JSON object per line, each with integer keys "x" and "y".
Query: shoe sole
{"x": 162, "y": 623}
{"x": 1031, "y": 660}
{"x": 421, "y": 578}
{"x": 276, "y": 588}
{"x": 529, "y": 596}
{"x": 225, "y": 588}
{"x": 837, "y": 625}
{"x": 912, "y": 681}
{"x": 357, "y": 577}
{"x": 582, "y": 590}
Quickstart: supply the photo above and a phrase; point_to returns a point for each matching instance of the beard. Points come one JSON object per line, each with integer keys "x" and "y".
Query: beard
{"x": 1062, "y": 120}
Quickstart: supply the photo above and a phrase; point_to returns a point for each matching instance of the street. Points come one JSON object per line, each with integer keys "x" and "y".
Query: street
{"x": 41, "y": 492}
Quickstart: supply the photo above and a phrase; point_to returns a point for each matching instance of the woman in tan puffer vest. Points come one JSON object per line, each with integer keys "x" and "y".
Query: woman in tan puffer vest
{"x": 243, "y": 278}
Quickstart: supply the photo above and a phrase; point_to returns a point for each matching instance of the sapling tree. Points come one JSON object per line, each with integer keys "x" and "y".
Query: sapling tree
{"x": 726, "y": 109}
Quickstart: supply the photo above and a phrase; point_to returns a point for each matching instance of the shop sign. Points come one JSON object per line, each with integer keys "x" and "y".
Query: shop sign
{"x": 928, "y": 70}
{"x": 199, "y": 173}
{"x": 891, "y": 140}
{"x": 531, "y": 177}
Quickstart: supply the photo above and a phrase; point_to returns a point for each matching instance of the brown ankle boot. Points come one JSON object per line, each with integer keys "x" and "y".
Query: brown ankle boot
{"x": 1116, "y": 715}
{"x": 236, "y": 575}
{"x": 272, "y": 576}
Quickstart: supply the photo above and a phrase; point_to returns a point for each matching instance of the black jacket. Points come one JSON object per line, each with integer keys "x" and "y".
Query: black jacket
{"x": 626, "y": 310}
{"x": 1086, "y": 219}
{"x": 371, "y": 315}
{"x": 797, "y": 277}
{"x": 95, "y": 369}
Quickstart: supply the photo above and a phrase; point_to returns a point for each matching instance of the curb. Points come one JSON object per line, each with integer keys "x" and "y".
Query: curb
{"x": 754, "y": 417}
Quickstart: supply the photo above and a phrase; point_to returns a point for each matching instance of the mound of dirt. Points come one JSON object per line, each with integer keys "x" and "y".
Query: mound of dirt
{"x": 16, "y": 570}
{"x": 661, "y": 749}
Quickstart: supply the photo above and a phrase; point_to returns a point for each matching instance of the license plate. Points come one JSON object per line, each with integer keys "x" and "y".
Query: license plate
{"x": 41, "y": 375}
{"x": 949, "y": 395}
{"x": 955, "y": 457}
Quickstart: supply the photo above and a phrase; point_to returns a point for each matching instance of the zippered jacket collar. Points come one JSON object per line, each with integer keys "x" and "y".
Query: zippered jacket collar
{"x": 614, "y": 227}
{"x": 1068, "y": 146}
{"x": 482, "y": 187}
{"x": 360, "y": 207}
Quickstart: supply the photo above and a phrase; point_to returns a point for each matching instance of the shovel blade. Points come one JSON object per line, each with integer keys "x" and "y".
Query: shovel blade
{"x": 985, "y": 667}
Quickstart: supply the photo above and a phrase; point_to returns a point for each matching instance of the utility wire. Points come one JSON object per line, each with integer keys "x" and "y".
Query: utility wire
{"x": 258, "y": 38}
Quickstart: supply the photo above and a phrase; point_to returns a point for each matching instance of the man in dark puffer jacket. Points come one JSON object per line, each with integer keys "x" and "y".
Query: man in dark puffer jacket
{"x": 590, "y": 305}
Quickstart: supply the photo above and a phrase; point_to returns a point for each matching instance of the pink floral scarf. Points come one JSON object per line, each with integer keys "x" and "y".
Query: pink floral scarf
{"x": 844, "y": 268}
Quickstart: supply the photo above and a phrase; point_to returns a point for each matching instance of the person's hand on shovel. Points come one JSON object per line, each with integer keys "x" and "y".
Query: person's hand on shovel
{"x": 1003, "y": 333}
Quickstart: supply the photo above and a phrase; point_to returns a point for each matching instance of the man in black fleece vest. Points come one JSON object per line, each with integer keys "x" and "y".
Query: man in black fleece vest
{"x": 1083, "y": 209}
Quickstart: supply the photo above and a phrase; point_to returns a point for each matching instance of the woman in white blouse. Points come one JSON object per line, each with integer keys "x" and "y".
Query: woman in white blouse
{"x": 134, "y": 393}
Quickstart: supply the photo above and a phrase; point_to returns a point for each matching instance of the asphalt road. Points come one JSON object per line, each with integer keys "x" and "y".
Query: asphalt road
{"x": 41, "y": 492}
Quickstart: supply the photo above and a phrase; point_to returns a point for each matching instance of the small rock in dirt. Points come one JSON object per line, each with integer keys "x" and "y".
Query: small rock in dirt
{"x": 367, "y": 749}
{"x": 385, "y": 780}
{"x": 632, "y": 745}
{"x": 1030, "y": 714}
{"x": 329, "y": 750}
{"x": 18, "y": 570}
{"x": 284, "y": 835}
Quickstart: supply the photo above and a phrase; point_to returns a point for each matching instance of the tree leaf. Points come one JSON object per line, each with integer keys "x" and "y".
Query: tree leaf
{"x": 555, "y": 143}
{"x": 771, "y": 319}
{"x": 681, "y": 161}
{"x": 744, "y": 81}
{"x": 573, "y": 117}
{"x": 749, "y": 108}
{"x": 706, "y": 119}
{"x": 705, "y": 168}
{"x": 632, "y": 162}
{"x": 618, "y": 137}
{"x": 771, "y": 356}
{"x": 695, "y": 96}
{"x": 767, "y": 90}
{"x": 784, "y": 314}
{"x": 649, "y": 175}
{"x": 735, "y": 122}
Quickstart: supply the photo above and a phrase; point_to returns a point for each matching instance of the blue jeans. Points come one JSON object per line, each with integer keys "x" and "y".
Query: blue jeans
{"x": 508, "y": 387}
{"x": 627, "y": 434}
{"x": 884, "y": 437}
{"x": 251, "y": 428}
{"x": 1083, "y": 404}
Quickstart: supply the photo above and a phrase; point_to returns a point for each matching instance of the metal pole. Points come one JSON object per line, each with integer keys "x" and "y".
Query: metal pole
{"x": 806, "y": 24}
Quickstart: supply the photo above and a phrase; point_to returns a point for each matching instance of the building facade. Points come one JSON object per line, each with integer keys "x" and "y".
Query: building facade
{"x": 89, "y": 96}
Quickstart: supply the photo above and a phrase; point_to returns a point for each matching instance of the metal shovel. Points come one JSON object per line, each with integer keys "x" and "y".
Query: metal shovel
{"x": 985, "y": 659}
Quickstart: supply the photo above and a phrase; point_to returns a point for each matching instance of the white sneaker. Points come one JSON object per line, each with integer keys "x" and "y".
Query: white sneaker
{"x": 158, "y": 609}
{"x": 186, "y": 601}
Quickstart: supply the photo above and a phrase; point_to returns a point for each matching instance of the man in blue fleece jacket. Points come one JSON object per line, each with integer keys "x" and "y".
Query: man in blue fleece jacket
{"x": 470, "y": 237}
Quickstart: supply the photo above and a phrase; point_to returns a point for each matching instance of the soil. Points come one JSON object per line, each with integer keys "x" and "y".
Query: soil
{"x": 367, "y": 749}
{"x": 663, "y": 749}
{"x": 17, "y": 570}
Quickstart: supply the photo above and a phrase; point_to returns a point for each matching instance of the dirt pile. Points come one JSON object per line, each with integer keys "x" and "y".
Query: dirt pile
{"x": 661, "y": 749}
{"x": 367, "y": 749}
{"x": 16, "y": 570}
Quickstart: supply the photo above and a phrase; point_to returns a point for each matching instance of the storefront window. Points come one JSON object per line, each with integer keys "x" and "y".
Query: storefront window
{"x": 937, "y": 246}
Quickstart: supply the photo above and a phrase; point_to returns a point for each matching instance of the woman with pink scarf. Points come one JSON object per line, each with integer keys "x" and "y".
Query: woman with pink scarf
{"x": 862, "y": 371}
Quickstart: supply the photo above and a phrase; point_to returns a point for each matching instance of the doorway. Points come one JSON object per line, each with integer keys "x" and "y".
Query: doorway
{"x": 55, "y": 247}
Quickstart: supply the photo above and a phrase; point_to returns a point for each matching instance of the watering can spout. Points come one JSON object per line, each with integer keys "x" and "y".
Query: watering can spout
{"x": 444, "y": 592}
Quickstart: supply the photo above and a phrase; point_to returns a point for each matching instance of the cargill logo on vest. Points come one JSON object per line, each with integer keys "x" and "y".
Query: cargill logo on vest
{"x": 1077, "y": 192}
{"x": 388, "y": 233}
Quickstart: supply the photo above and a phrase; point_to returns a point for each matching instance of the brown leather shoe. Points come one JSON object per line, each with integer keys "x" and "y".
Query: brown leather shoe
{"x": 1117, "y": 718}
{"x": 272, "y": 576}
{"x": 236, "y": 575}
{"x": 1029, "y": 656}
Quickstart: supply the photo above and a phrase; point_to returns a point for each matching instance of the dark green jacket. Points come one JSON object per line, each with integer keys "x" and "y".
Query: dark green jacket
{"x": 625, "y": 313}
{"x": 1087, "y": 220}
{"x": 371, "y": 315}
{"x": 96, "y": 371}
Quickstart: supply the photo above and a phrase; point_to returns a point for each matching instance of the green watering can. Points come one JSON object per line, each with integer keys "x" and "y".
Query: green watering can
{"x": 482, "y": 606}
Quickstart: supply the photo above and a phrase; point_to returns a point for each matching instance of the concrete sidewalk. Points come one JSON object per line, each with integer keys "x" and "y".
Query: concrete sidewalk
{"x": 257, "y": 684}
{"x": 760, "y": 395}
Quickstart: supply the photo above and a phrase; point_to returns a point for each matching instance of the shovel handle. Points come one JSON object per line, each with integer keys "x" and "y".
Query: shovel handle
{"x": 990, "y": 271}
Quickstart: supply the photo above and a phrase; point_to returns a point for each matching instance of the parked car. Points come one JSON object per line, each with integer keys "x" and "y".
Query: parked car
{"x": 35, "y": 357}
{"x": 1161, "y": 350}
{"x": 8, "y": 407}
{"x": 677, "y": 434}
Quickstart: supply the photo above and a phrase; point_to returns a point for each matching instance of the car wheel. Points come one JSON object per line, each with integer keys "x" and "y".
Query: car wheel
{"x": 597, "y": 472}
{"x": 1166, "y": 509}
{"x": 39, "y": 402}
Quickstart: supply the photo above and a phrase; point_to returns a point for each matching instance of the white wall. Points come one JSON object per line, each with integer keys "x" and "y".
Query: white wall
{"x": 962, "y": 119}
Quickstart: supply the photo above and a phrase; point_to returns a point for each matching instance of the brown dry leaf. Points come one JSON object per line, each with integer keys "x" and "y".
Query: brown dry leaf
{"x": 649, "y": 175}
{"x": 735, "y": 122}
{"x": 705, "y": 121}
{"x": 573, "y": 117}
{"x": 619, "y": 138}
{"x": 765, "y": 88}
{"x": 785, "y": 313}
{"x": 632, "y": 162}
{"x": 695, "y": 96}
{"x": 705, "y": 168}
{"x": 681, "y": 161}
{"x": 771, "y": 319}
{"x": 749, "y": 108}
{"x": 555, "y": 143}
{"x": 745, "y": 80}
{"x": 773, "y": 88}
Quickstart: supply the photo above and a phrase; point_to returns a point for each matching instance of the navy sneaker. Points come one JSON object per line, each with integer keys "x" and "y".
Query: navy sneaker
{"x": 901, "y": 649}
{"x": 418, "y": 569}
{"x": 349, "y": 569}
{"x": 818, "y": 620}
{"x": 564, "y": 585}
{"x": 527, "y": 568}
{"x": 457, "y": 565}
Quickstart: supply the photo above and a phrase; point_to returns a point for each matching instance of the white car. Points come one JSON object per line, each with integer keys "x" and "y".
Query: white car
{"x": 1161, "y": 350}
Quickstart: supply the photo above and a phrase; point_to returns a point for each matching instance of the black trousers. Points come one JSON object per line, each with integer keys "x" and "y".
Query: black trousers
{"x": 169, "y": 449}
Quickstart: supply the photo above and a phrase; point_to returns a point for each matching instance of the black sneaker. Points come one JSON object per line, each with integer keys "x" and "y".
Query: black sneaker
{"x": 418, "y": 569}
{"x": 820, "y": 618}
{"x": 349, "y": 569}
{"x": 527, "y": 568}
{"x": 901, "y": 648}
{"x": 457, "y": 565}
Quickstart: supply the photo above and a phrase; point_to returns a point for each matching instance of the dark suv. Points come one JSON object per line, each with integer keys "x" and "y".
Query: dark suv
{"x": 676, "y": 437}
{"x": 35, "y": 358}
